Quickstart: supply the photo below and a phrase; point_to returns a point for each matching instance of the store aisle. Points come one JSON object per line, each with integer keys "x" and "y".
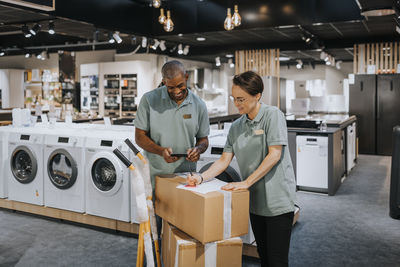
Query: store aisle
{"x": 352, "y": 228}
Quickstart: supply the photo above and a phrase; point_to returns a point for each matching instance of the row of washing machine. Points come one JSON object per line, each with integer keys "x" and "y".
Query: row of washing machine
{"x": 70, "y": 167}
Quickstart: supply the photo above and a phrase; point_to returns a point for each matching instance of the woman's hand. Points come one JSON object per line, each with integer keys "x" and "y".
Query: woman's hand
{"x": 194, "y": 179}
{"x": 236, "y": 186}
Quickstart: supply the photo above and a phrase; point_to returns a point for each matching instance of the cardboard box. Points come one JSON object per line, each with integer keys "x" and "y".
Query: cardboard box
{"x": 180, "y": 250}
{"x": 201, "y": 215}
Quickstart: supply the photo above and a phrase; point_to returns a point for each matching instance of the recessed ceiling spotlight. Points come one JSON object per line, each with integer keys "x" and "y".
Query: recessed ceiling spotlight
{"x": 229, "y": 55}
{"x": 201, "y": 39}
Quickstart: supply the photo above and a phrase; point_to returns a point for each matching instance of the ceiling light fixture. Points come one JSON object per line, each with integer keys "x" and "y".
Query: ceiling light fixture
{"x": 217, "y": 61}
{"x": 117, "y": 37}
{"x": 377, "y": 12}
{"x": 110, "y": 38}
{"x": 236, "y": 19}
{"x": 2, "y": 53}
{"x": 231, "y": 64}
{"x": 229, "y": 55}
{"x": 144, "y": 42}
{"x": 156, "y": 44}
{"x": 180, "y": 50}
{"x": 156, "y": 3}
{"x": 35, "y": 29}
{"x": 161, "y": 18}
{"x": 200, "y": 39}
{"x": 168, "y": 25}
{"x": 186, "y": 50}
{"x": 51, "y": 28}
{"x": 228, "y": 24}
{"x": 38, "y": 56}
{"x": 299, "y": 64}
{"x": 25, "y": 31}
{"x": 162, "y": 45}
{"x": 27, "y": 55}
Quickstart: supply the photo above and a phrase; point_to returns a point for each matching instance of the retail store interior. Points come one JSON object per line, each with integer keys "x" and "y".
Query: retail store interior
{"x": 72, "y": 75}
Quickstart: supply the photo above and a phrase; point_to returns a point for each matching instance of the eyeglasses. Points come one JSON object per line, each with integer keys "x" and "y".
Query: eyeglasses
{"x": 239, "y": 100}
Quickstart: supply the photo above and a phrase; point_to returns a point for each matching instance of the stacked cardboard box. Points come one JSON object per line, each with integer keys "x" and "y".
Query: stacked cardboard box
{"x": 180, "y": 250}
{"x": 204, "y": 220}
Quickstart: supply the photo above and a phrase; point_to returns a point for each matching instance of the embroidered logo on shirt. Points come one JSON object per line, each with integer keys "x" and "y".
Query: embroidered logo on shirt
{"x": 187, "y": 116}
{"x": 258, "y": 131}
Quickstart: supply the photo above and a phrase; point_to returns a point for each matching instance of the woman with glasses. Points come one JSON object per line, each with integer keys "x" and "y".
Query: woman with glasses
{"x": 258, "y": 139}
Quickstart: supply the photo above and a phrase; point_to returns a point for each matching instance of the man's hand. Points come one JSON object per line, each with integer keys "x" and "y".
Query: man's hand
{"x": 194, "y": 179}
{"x": 167, "y": 155}
{"x": 193, "y": 154}
{"x": 236, "y": 186}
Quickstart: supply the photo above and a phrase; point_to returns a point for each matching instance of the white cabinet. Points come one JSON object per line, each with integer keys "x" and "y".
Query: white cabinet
{"x": 312, "y": 161}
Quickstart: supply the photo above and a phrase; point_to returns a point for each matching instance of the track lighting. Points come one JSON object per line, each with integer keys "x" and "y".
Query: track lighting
{"x": 173, "y": 49}
{"x": 299, "y": 64}
{"x": 117, "y": 37}
{"x": 156, "y": 44}
{"x": 168, "y": 24}
{"x": 51, "y": 28}
{"x": 217, "y": 61}
{"x": 111, "y": 38}
{"x": 38, "y": 56}
{"x": 338, "y": 66}
{"x": 186, "y": 50}
{"x": 35, "y": 29}
{"x": 228, "y": 24}
{"x": 180, "y": 50}
{"x": 96, "y": 35}
{"x": 236, "y": 19}
{"x": 2, "y": 53}
{"x": 162, "y": 18}
{"x": 27, "y": 55}
{"x": 231, "y": 64}
{"x": 144, "y": 42}
{"x": 25, "y": 31}
{"x": 162, "y": 45}
{"x": 156, "y": 3}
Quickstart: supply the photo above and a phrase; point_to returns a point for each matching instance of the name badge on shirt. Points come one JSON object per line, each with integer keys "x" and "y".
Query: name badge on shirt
{"x": 187, "y": 116}
{"x": 258, "y": 132}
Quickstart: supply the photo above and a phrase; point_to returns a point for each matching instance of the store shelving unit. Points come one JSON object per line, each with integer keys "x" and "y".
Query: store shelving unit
{"x": 128, "y": 94}
{"x": 112, "y": 96}
{"x": 90, "y": 93}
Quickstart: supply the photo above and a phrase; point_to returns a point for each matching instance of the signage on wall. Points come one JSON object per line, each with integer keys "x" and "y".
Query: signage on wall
{"x": 45, "y": 5}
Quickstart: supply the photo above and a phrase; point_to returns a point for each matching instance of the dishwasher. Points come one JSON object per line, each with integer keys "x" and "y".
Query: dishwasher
{"x": 312, "y": 163}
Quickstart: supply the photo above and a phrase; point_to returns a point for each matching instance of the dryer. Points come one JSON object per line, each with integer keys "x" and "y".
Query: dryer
{"x": 107, "y": 180}
{"x": 24, "y": 166}
{"x": 64, "y": 170}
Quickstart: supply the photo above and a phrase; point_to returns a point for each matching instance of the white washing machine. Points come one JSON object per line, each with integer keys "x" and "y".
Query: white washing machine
{"x": 107, "y": 179}
{"x": 24, "y": 166}
{"x": 64, "y": 170}
{"x": 3, "y": 151}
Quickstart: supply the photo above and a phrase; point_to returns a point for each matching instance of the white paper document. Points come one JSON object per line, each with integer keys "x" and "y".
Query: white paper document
{"x": 206, "y": 187}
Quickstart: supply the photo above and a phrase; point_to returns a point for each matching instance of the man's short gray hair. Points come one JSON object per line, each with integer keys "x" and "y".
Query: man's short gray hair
{"x": 172, "y": 68}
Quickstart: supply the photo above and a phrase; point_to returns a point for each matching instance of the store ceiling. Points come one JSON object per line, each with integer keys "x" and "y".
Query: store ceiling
{"x": 335, "y": 26}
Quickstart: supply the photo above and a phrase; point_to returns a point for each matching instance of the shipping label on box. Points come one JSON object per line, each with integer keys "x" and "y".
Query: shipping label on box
{"x": 180, "y": 250}
{"x": 207, "y": 217}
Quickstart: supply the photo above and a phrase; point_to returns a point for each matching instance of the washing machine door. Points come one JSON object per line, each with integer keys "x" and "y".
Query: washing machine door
{"x": 62, "y": 169}
{"x": 106, "y": 173}
{"x": 229, "y": 175}
{"x": 23, "y": 164}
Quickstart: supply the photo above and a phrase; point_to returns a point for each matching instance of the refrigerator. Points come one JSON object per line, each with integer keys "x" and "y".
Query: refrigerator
{"x": 374, "y": 99}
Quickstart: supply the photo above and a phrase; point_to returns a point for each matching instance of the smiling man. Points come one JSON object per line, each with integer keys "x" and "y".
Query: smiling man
{"x": 172, "y": 120}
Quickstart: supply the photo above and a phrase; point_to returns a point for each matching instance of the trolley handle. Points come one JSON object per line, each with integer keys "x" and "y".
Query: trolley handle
{"x": 122, "y": 158}
{"x": 132, "y": 146}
